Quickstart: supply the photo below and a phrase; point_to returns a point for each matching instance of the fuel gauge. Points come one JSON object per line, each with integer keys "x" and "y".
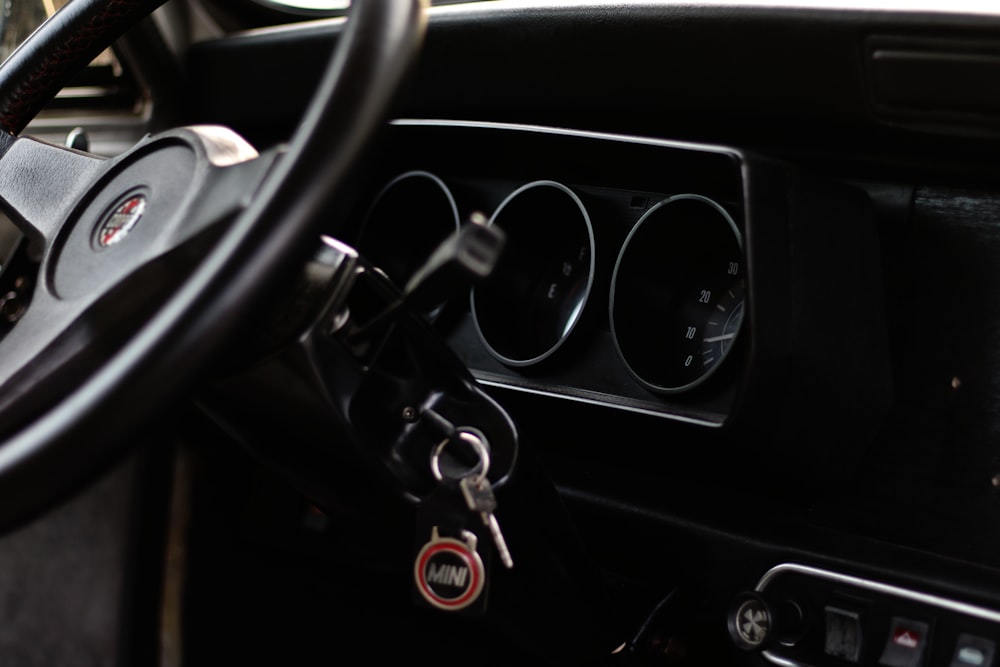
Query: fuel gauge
{"x": 536, "y": 296}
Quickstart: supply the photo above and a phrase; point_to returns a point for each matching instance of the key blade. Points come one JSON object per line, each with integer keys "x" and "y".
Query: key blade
{"x": 499, "y": 542}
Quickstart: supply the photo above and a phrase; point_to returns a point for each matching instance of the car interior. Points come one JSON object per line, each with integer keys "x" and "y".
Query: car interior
{"x": 500, "y": 332}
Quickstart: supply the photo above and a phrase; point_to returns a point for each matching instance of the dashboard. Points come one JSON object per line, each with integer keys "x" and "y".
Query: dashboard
{"x": 741, "y": 336}
{"x": 627, "y": 260}
{"x": 723, "y": 298}
{"x": 732, "y": 378}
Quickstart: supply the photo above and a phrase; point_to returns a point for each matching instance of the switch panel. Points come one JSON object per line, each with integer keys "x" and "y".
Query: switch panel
{"x": 847, "y": 620}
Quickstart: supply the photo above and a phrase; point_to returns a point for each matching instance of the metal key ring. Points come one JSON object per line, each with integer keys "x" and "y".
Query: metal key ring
{"x": 478, "y": 445}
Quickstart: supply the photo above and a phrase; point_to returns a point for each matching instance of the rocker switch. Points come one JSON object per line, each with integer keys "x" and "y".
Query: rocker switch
{"x": 843, "y": 634}
{"x": 972, "y": 651}
{"x": 906, "y": 644}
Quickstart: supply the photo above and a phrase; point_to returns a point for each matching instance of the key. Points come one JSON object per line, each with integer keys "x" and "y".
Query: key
{"x": 479, "y": 497}
{"x": 477, "y": 492}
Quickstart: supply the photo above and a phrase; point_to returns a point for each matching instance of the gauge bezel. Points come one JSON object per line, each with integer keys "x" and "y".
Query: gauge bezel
{"x": 711, "y": 372}
{"x": 387, "y": 188}
{"x": 577, "y": 315}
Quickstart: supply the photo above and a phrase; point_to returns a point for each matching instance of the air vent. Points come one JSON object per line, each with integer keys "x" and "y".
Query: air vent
{"x": 935, "y": 82}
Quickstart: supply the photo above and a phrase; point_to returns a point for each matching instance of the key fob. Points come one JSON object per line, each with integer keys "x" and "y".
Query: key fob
{"x": 450, "y": 574}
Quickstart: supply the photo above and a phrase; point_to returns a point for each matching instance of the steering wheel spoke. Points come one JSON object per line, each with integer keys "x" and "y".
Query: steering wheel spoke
{"x": 41, "y": 183}
{"x": 226, "y": 189}
{"x": 47, "y": 338}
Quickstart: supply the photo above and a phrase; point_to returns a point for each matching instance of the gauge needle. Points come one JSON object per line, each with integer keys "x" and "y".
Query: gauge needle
{"x": 716, "y": 339}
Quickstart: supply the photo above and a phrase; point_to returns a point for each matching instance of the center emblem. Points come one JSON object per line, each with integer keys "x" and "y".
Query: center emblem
{"x": 121, "y": 221}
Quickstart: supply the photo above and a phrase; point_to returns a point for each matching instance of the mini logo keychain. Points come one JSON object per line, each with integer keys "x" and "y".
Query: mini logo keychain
{"x": 449, "y": 573}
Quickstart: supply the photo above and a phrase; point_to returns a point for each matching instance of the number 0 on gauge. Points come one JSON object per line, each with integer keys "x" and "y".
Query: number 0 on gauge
{"x": 677, "y": 293}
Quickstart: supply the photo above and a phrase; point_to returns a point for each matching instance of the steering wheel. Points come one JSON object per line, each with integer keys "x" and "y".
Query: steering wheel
{"x": 152, "y": 261}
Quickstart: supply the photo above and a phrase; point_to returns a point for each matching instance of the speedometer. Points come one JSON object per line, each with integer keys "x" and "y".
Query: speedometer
{"x": 722, "y": 327}
{"x": 677, "y": 297}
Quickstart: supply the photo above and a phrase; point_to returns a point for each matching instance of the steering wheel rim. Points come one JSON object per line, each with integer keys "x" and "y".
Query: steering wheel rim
{"x": 52, "y": 455}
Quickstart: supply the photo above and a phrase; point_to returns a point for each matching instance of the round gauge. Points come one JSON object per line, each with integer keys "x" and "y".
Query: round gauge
{"x": 677, "y": 294}
{"x": 411, "y": 216}
{"x": 536, "y": 295}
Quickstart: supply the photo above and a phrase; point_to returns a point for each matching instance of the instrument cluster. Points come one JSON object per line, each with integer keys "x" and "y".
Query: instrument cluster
{"x": 622, "y": 278}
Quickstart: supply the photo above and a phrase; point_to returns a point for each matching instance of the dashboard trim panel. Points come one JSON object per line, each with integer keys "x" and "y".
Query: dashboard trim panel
{"x": 565, "y": 132}
{"x": 589, "y": 401}
{"x": 878, "y": 587}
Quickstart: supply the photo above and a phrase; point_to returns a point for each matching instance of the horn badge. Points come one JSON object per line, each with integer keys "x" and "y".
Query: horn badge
{"x": 122, "y": 220}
